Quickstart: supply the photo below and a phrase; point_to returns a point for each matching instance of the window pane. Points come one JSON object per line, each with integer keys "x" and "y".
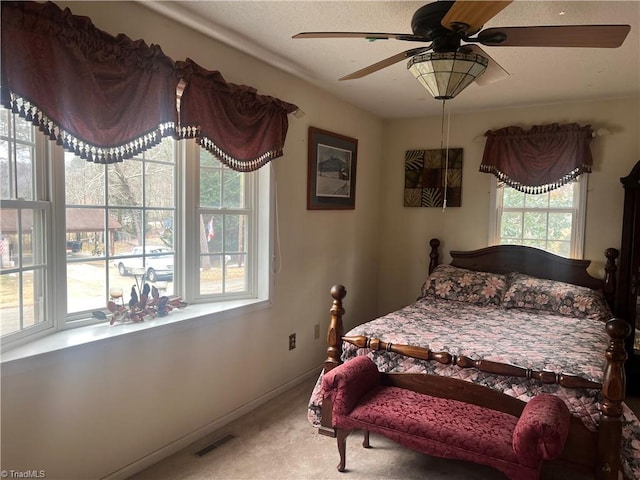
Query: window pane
{"x": 86, "y": 284}
{"x": 562, "y": 197}
{"x": 85, "y": 227}
{"x": 535, "y": 225}
{"x": 236, "y": 273}
{"x": 163, "y": 152}
{"x": 211, "y": 274}
{"x": 512, "y": 198}
{"x": 536, "y": 201}
{"x": 5, "y": 115}
{"x": 223, "y": 259}
{"x": 125, "y": 183}
{"x": 210, "y": 188}
{"x": 8, "y": 238}
{"x": 511, "y": 226}
{"x": 232, "y": 189}
{"x": 211, "y": 229}
{"x": 159, "y": 228}
{"x": 23, "y": 236}
{"x": 159, "y": 185}
{"x": 208, "y": 160}
{"x": 218, "y": 275}
{"x": 23, "y": 130}
{"x": 25, "y": 159}
{"x": 235, "y": 234}
{"x": 10, "y": 303}
{"x": 34, "y": 291}
{"x": 560, "y": 226}
{"x": 5, "y": 170}
{"x": 129, "y": 231}
{"x": 84, "y": 181}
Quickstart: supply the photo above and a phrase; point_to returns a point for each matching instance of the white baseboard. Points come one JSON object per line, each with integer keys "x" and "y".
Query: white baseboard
{"x": 183, "y": 442}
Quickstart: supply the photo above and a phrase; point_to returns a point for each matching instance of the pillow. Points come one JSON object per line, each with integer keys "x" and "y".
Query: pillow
{"x": 453, "y": 283}
{"x": 556, "y": 297}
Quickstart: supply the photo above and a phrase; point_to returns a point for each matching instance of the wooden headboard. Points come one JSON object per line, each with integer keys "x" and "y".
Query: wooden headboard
{"x": 532, "y": 261}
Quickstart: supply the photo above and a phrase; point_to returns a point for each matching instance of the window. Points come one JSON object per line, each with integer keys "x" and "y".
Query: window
{"x": 24, "y": 267}
{"x": 224, "y": 224}
{"x": 108, "y": 228}
{"x": 552, "y": 221}
{"x": 119, "y": 220}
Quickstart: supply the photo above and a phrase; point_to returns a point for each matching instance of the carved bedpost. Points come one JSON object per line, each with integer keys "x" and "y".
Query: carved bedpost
{"x": 434, "y": 256}
{"x": 613, "y": 389}
{"x": 610, "y": 275}
{"x": 334, "y": 352}
{"x": 336, "y": 330}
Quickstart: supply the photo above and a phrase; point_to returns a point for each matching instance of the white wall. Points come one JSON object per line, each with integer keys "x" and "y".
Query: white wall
{"x": 88, "y": 411}
{"x": 405, "y": 232}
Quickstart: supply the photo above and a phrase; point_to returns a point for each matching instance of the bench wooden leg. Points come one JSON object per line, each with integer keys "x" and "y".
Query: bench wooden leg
{"x": 341, "y": 436}
{"x": 365, "y": 442}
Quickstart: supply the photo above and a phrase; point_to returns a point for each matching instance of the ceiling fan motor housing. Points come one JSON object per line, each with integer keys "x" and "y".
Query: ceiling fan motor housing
{"x": 426, "y": 22}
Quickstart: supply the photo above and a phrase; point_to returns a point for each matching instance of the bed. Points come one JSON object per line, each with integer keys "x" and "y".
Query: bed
{"x": 519, "y": 322}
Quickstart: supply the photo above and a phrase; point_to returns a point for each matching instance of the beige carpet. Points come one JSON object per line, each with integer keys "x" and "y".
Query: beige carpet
{"x": 277, "y": 442}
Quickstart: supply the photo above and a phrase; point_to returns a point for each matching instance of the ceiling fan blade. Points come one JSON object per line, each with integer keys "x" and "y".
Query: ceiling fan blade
{"x": 385, "y": 63}
{"x": 470, "y": 16}
{"x": 493, "y": 73}
{"x": 366, "y": 35}
{"x": 597, "y": 36}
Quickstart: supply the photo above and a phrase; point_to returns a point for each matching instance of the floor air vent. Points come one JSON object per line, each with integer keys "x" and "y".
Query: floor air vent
{"x": 203, "y": 451}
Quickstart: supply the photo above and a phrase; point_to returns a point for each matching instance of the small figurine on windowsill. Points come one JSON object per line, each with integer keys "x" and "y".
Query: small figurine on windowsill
{"x": 140, "y": 307}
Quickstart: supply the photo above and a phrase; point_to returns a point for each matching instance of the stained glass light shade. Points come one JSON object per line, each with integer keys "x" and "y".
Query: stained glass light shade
{"x": 446, "y": 74}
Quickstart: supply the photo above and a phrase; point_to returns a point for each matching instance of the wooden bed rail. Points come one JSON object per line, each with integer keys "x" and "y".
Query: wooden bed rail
{"x": 462, "y": 361}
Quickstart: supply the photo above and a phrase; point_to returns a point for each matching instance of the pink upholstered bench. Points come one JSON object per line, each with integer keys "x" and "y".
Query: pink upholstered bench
{"x": 444, "y": 427}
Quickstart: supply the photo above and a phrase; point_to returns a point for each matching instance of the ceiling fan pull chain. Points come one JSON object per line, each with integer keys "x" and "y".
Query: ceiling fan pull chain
{"x": 446, "y": 155}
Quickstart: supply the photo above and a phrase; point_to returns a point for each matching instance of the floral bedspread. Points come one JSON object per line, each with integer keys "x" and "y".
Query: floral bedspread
{"x": 516, "y": 336}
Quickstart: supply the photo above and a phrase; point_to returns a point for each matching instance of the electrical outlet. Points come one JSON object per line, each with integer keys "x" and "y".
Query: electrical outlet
{"x": 316, "y": 331}
{"x": 292, "y": 341}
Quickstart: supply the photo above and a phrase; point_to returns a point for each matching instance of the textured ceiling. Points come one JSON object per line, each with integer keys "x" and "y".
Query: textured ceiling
{"x": 537, "y": 75}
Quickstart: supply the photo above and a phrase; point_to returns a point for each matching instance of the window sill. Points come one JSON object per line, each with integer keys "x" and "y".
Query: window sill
{"x": 75, "y": 337}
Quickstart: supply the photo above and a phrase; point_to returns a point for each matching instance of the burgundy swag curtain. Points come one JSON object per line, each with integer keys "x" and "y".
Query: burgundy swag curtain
{"x": 240, "y": 128}
{"x": 109, "y": 98}
{"x": 538, "y": 160}
{"x": 105, "y": 98}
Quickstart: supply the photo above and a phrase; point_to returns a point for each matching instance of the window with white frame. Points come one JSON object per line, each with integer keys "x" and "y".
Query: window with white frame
{"x": 24, "y": 240}
{"x": 552, "y": 221}
{"x": 109, "y": 228}
{"x": 119, "y": 227}
{"x": 226, "y": 219}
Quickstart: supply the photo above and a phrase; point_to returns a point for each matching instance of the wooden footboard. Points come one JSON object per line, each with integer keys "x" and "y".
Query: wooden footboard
{"x": 585, "y": 450}
{"x": 597, "y": 452}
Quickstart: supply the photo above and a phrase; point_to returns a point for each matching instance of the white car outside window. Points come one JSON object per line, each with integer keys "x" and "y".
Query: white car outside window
{"x": 154, "y": 261}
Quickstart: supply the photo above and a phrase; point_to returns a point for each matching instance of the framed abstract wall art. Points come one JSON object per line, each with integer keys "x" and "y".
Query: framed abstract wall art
{"x": 430, "y": 176}
{"x": 331, "y": 183}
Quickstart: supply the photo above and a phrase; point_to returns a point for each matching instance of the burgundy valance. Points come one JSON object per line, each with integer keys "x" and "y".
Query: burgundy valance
{"x": 108, "y": 98}
{"x": 540, "y": 159}
{"x": 240, "y": 128}
{"x": 105, "y": 98}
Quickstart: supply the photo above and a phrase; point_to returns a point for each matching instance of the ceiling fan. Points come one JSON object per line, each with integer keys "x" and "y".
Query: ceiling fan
{"x": 455, "y": 27}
